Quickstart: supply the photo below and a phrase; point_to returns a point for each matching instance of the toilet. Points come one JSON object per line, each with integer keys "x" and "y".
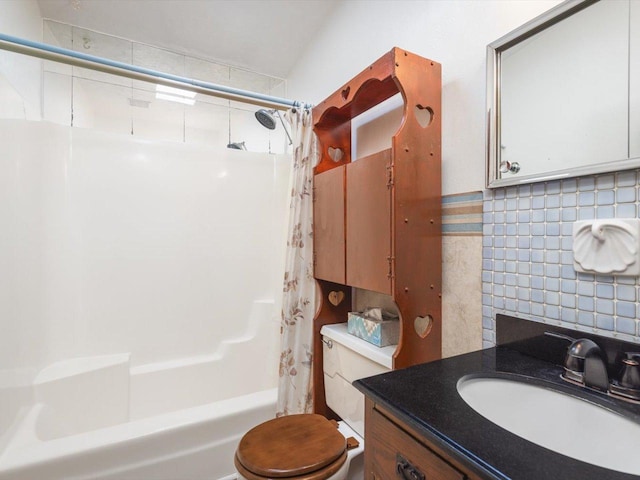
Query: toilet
{"x": 308, "y": 446}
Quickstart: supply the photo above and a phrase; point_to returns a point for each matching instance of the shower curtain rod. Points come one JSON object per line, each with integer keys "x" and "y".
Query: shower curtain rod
{"x": 71, "y": 57}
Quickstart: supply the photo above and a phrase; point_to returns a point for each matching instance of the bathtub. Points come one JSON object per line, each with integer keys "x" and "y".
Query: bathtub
{"x": 100, "y": 418}
{"x": 104, "y": 442}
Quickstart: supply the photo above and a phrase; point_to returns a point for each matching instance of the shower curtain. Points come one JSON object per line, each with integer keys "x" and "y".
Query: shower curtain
{"x": 298, "y": 306}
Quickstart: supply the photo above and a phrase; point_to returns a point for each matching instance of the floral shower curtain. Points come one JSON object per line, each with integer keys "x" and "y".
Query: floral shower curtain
{"x": 298, "y": 305}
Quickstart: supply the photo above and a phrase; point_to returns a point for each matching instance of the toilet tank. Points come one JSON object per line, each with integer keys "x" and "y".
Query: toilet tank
{"x": 348, "y": 358}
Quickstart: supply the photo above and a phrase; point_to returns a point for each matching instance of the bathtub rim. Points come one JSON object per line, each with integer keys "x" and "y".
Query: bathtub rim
{"x": 27, "y": 450}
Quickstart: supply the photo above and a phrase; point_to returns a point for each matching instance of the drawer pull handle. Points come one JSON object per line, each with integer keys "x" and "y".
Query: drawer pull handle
{"x": 406, "y": 471}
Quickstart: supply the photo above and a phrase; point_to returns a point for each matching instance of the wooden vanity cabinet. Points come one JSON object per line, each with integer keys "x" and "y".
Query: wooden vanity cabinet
{"x": 396, "y": 451}
{"x": 377, "y": 219}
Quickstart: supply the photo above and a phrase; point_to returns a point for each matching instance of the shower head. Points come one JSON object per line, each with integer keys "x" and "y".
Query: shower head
{"x": 237, "y": 146}
{"x": 265, "y": 117}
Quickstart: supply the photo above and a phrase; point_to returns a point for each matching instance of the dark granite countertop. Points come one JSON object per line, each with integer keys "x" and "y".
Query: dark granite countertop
{"x": 425, "y": 397}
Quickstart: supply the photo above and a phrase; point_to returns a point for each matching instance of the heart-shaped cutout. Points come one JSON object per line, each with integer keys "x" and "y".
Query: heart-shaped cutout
{"x": 335, "y": 298}
{"x": 345, "y": 93}
{"x": 335, "y": 154}
{"x": 424, "y": 115}
{"x": 422, "y": 325}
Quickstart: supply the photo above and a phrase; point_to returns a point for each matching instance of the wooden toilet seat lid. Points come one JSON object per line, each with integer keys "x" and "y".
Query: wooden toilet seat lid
{"x": 290, "y": 446}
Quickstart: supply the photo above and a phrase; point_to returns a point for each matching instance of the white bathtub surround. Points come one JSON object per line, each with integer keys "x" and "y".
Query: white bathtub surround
{"x": 82, "y": 394}
{"x": 16, "y": 391}
{"x": 298, "y": 303}
{"x": 233, "y": 370}
{"x": 97, "y": 418}
{"x": 136, "y": 303}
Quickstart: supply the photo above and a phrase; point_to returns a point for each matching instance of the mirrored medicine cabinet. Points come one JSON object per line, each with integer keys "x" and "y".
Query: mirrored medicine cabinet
{"x": 563, "y": 94}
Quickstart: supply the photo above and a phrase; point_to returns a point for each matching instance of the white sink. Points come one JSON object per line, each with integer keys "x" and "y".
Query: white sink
{"x": 557, "y": 421}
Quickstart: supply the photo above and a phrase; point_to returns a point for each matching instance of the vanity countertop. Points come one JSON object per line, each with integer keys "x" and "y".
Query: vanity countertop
{"x": 426, "y": 398}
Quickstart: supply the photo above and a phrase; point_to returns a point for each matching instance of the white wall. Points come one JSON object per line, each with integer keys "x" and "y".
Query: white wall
{"x": 20, "y": 18}
{"x": 454, "y": 33}
{"x": 111, "y": 103}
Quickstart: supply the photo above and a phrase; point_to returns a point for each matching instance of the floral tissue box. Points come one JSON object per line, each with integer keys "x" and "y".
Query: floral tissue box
{"x": 374, "y": 325}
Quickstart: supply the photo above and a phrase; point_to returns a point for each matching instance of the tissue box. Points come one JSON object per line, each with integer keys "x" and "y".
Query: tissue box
{"x": 378, "y": 332}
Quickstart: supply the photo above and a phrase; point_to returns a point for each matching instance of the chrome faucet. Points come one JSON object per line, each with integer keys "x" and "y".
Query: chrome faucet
{"x": 586, "y": 364}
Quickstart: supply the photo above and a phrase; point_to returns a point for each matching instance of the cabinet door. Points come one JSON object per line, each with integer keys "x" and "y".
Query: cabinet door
{"x": 369, "y": 224}
{"x": 328, "y": 225}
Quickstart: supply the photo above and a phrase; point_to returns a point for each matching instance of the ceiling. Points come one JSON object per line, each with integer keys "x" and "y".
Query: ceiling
{"x": 265, "y": 36}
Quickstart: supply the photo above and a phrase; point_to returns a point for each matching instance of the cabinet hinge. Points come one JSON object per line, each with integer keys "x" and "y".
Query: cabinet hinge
{"x": 313, "y": 194}
{"x": 315, "y": 259}
{"x": 390, "y": 178}
{"x": 390, "y": 260}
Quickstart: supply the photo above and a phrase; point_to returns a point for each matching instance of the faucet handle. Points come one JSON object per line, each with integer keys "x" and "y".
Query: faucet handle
{"x": 630, "y": 371}
{"x": 628, "y": 384}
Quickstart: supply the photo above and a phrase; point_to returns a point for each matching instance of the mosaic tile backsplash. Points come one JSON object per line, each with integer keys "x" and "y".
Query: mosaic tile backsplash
{"x": 527, "y": 258}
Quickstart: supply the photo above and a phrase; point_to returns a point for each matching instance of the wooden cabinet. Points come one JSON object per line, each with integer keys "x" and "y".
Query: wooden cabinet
{"x": 368, "y": 212}
{"x": 377, "y": 220}
{"x": 395, "y": 451}
{"x": 328, "y": 226}
{"x": 352, "y": 221}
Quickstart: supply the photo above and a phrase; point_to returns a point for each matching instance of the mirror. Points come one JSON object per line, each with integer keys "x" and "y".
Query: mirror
{"x": 563, "y": 94}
